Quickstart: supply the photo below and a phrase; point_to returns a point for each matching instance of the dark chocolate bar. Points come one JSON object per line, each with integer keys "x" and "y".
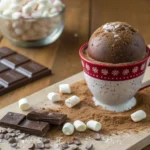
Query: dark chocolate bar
{"x": 50, "y": 117}
{"x": 19, "y": 122}
{"x": 17, "y": 70}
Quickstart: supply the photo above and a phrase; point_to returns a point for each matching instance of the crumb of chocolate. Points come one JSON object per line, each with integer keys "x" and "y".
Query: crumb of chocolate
{"x": 89, "y": 146}
{"x": 97, "y": 137}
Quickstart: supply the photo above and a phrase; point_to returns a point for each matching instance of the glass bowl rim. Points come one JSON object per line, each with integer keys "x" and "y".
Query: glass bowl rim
{"x": 51, "y": 16}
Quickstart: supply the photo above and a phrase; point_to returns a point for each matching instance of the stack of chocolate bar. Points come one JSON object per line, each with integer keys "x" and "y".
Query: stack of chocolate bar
{"x": 36, "y": 122}
{"x": 17, "y": 70}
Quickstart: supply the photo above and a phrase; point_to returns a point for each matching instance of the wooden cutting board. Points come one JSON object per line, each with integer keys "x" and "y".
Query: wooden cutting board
{"x": 123, "y": 141}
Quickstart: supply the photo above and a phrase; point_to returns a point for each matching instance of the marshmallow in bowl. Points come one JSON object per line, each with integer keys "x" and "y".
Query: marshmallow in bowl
{"x": 32, "y": 8}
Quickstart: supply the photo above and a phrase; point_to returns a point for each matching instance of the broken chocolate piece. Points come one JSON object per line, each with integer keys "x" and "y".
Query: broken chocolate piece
{"x": 64, "y": 146}
{"x": 19, "y": 121}
{"x": 31, "y": 146}
{"x": 89, "y": 146}
{"x": 12, "y": 140}
{"x": 97, "y": 137}
{"x": 50, "y": 117}
{"x": 77, "y": 141}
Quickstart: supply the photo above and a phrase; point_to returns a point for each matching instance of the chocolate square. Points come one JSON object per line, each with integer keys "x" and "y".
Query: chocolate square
{"x": 5, "y": 51}
{"x": 12, "y": 118}
{"x": 35, "y": 126}
{"x": 14, "y": 60}
{"x": 30, "y": 68}
{"x": 9, "y": 77}
{"x": 3, "y": 68}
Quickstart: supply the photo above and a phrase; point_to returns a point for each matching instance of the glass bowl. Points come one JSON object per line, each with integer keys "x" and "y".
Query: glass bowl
{"x": 29, "y": 32}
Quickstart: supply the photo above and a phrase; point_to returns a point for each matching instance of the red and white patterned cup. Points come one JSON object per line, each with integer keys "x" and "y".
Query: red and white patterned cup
{"x": 114, "y": 85}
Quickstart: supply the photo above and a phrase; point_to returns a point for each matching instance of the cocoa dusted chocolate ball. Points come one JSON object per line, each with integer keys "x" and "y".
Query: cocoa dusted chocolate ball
{"x": 116, "y": 42}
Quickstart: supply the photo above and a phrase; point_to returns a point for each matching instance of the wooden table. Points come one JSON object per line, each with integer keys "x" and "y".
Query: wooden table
{"x": 82, "y": 18}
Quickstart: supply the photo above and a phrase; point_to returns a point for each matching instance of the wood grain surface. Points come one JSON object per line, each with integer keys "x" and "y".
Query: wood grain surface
{"x": 81, "y": 19}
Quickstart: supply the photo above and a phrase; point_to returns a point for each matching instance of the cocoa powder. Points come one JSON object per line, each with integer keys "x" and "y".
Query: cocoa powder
{"x": 112, "y": 122}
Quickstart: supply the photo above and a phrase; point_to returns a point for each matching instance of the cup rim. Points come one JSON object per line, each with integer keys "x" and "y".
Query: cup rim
{"x": 53, "y": 15}
{"x": 103, "y": 64}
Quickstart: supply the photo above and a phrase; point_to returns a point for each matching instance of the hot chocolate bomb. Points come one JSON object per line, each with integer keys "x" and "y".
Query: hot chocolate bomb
{"x": 116, "y": 42}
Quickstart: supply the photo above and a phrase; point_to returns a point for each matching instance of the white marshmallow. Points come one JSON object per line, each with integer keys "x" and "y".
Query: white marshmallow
{"x": 19, "y": 31}
{"x": 45, "y": 2}
{"x": 94, "y": 125}
{"x": 42, "y": 7}
{"x": 79, "y": 126}
{"x": 68, "y": 129}
{"x": 72, "y": 101}
{"x": 7, "y": 12}
{"x": 58, "y": 4}
{"x": 4, "y": 5}
{"x": 23, "y": 104}
{"x": 15, "y": 7}
{"x": 29, "y": 7}
{"x": 54, "y": 97}
{"x": 36, "y": 14}
{"x": 17, "y": 24}
{"x": 16, "y": 15}
{"x": 53, "y": 11}
{"x": 138, "y": 115}
{"x": 64, "y": 88}
{"x": 45, "y": 13}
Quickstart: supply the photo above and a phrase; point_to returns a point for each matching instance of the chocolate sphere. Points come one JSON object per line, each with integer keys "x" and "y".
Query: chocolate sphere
{"x": 116, "y": 42}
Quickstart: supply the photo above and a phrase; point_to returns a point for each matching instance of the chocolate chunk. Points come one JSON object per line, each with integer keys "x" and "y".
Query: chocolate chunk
{"x": 3, "y": 68}
{"x": 64, "y": 146}
{"x": 71, "y": 142}
{"x": 4, "y": 51}
{"x": 14, "y": 145}
{"x": 19, "y": 121}
{"x": 52, "y": 118}
{"x": 14, "y": 60}
{"x": 7, "y": 136}
{"x": 21, "y": 136}
{"x": 89, "y": 146}
{"x": 9, "y": 130}
{"x": 12, "y": 118}
{"x": 1, "y": 136}
{"x": 10, "y": 77}
{"x": 31, "y": 146}
{"x": 3, "y": 131}
{"x": 30, "y": 68}
{"x": 45, "y": 140}
{"x": 74, "y": 147}
{"x": 47, "y": 146}
{"x": 12, "y": 140}
{"x": 97, "y": 137}
{"x": 40, "y": 145}
{"x": 77, "y": 141}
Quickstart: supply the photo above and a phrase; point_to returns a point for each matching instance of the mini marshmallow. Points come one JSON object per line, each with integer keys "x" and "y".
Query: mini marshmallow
{"x": 79, "y": 126}
{"x": 19, "y": 31}
{"x": 138, "y": 115}
{"x": 54, "y": 97}
{"x": 23, "y": 104}
{"x": 68, "y": 129}
{"x": 72, "y": 101}
{"x": 41, "y": 7}
{"x": 16, "y": 15}
{"x": 7, "y": 12}
{"x": 58, "y": 4}
{"x": 45, "y": 13}
{"x": 53, "y": 11}
{"x": 94, "y": 125}
{"x": 64, "y": 88}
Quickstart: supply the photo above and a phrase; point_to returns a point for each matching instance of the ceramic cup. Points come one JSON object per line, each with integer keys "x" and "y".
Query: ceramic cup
{"x": 114, "y": 86}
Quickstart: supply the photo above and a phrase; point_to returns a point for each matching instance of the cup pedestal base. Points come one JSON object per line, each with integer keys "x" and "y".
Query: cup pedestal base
{"x": 117, "y": 108}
